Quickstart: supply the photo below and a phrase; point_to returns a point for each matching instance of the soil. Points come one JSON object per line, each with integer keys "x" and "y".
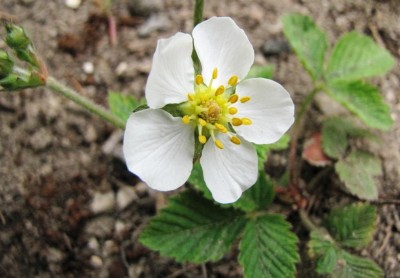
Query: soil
{"x": 68, "y": 205}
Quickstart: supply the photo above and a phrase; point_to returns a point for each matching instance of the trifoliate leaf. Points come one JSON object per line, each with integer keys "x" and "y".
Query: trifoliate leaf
{"x": 352, "y": 226}
{"x": 257, "y": 197}
{"x": 357, "y": 172}
{"x": 357, "y": 56}
{"x": 334, "y": 137}
{"x": 364, "y": 100}
{"x": 193, "y": 229}
{"x": 261, "y": 71}
{"x": 338, "y": 263}
{"x": 120, "y": 105}
{"x": 268, "y": 248}
{"x": 308, "y": 41}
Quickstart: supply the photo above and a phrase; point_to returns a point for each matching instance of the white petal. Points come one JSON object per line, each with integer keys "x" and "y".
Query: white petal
{"x": 230, "y": 171}
{"x": 159, "y": 148}
{"x": 172, "y": 74}
{"x": 221, "y": 44}
{"x": 270, "y": 109}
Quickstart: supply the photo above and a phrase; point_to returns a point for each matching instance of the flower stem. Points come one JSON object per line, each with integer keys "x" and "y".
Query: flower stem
{"x": 86, "y": 103}
{"x": 307, "y": 221}
{"x": 198, "y": 12}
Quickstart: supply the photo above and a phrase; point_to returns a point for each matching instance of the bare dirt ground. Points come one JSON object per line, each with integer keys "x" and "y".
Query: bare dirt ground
{"x": 68, "y": 206}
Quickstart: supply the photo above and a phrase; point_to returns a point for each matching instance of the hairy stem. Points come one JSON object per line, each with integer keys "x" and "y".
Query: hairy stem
{"x": 86, "y": 103}
{"x": 198, "y": 12}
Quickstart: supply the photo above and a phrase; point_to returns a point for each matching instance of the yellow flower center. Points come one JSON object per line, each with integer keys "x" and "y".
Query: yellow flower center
{"x": 210, "y": 109}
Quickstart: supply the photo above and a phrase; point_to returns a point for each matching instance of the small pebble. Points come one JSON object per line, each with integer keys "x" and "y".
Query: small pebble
{"x": 275, "y": 47}
{"x": 93, "y": 244}
{"x": 96, "y": 261}
{"x": 88, "y": 67}
{"x": 73, "y": 4}
{"x": 102, "y": 202}
{"x": 125, "y": 196}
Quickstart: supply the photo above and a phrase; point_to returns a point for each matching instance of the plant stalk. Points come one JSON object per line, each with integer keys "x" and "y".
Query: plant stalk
{"x": 198, "y": 12}
{"x": 86, "y": 103}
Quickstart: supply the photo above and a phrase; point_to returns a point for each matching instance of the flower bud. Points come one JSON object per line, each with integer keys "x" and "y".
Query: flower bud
{"x": 16, "y": 37}
{"x": 6, "y": 64}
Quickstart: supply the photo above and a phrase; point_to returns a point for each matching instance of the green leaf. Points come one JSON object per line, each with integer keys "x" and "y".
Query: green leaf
{"x": 308, "y": 41}
{"x": 352, "y": 226}
{"x": 193, "y": 229}
{"x": 261, "y": 71}
{"x": 364, "y": 100}
{"x": 268, "y": 248}
{"x": 197, "y": 180}
{"x": 357, "y": 172}
{"x": 357, "y": 56}
{"x": 257, "y": 197}
{"x": 337, "y": 262}
{"x": 120, "y": 105}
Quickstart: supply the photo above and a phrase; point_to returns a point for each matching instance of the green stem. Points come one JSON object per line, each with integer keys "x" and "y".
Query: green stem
{"x": 198, "y": 12}
{"x": 63, "y": 90}
{"x": 307, "y": 221}
{"x": 305, "y": 104}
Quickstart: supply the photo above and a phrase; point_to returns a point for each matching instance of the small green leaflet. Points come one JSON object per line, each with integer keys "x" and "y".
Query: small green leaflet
{"x": 308, "y": 41}
{"x": 338, "y": 263}
{"x": 268, "y": 248}
{"x": 192, "y": 228}
{"x": 352, "y": 226}
{"x": 364, "y": 100}
{"x": 120, "y": 105}
{"x": 357, "y": 172}
{"x": 356, "y": 56}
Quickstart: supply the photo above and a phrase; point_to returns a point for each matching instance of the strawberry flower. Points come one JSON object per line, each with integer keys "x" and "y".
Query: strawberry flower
{"x": 218, "y": 108}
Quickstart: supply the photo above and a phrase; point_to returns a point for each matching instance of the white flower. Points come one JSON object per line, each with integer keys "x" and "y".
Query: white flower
{"x": 219, "y": 109}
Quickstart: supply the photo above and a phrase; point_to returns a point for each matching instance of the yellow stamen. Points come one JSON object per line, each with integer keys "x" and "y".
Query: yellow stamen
{"x": 221, "y": 128}
{"x": 220, "y": 90}
{"x": 186, "y": 119}
{"x": 236, "y": 122}
{"x": 233, "y": 98}
{"x": 199, "y": 79}
{"x": 246, "y": 121}
{"x": 235, "y": 140}
{"x": 202, "y": 122}
{"x": 232, "y": 110}
{"x": 215, "y": 73}
{"x": 233, "y": 80}
{"x": 219, "y": 144}
{"x": 190, "y": 97}
{"x": 244, "y": 99}
{"x": 202, "y": 139}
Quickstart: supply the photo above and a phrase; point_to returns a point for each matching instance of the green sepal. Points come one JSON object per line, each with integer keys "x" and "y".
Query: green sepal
{"x": 16, "y": 82}
{"x": 120, "y": 105}
{"x": 6, "y": 64}
{"x": 261, "y": 71}
{"x": 16, "y": 37}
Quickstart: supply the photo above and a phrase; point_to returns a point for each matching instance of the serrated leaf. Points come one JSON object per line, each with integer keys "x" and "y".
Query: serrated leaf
{"x": 257, "y": 197}
{"x": 193, "y": 229}
{"x": 197, "y": 180}
{"x": 357, "y": 172}
{"x": 364, "y": 100}
{"x": 338, "y": 263}
{"x": 120, "y": 105}
{"x": 261, "y": 71}
{"x": 352, "y": 226}
{"x": 268, "y": 248}
{"x": 308, "y": 41}
{"x": 351, "y": 266}
{"x": 357, "y": 56}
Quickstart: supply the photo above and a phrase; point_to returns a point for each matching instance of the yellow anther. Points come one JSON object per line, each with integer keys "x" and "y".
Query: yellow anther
{"x": 220, "y": 90}
{"x": 219, "y": 144}
{"x": 233, "y": 80}
{"x": 202, "y": 122}
{"x": 202, "y": 139}
{"x": 186, "y": 119}
{"x": 235, "y": 140}
{"x": 233, "y": 98}
{"x": 232, "y": 110}
{"x": 236, "y": 122}
{"x": 199, "y": 79}
{"x": 246, "y": 121}
{"x": 221, "y": 128}
{"x": 190, "y": 97}
{"x": 244, "y": 99}
{"x": 215, "y": 73}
